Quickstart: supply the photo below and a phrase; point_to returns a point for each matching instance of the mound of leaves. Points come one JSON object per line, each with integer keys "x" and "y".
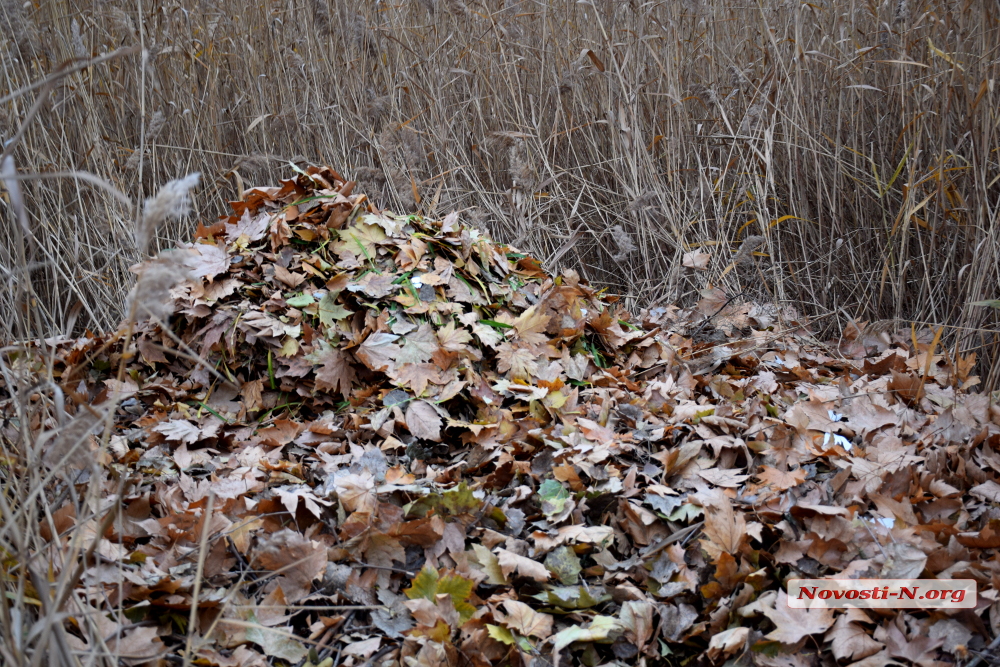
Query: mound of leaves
{"x": 365, "y": 438}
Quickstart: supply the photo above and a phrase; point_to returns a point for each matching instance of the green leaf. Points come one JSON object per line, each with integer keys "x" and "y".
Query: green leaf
{"x": 501, "y": 634}
{"x": 554, "y": 497}
{"x": 459, "y": 588}
{"x": 601, "y": 629}
{"x": 992, "y": 303}
{"x": 455, "y": 502}
{"x": 685, "y": 512}
{"x": 424, "y": 585}
{"x": 460, "y": 501}
{"x": 564, "y": 563}
{"x": 490, "y": 564}
{"x": 300, "y": 301}
{"x": 429, "y": 584}
{"x": 330, "y": 311}
{"x": 573, "y": 597}
{"x": 497, "y": 325}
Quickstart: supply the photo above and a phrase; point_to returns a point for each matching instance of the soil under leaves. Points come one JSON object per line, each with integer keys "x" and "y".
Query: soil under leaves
{"x": 366, "y": 438}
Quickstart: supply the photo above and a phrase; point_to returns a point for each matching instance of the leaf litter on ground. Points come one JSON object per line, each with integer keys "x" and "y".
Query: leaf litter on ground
{"x": 370, "y": 438}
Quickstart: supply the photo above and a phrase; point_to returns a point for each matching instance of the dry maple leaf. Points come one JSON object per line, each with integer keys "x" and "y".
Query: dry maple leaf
{"x": 299, "y": 560}
{"x": 848, "y": 640}
{"x": 781, "y": 480}
{"x": 729, "y": 478}
{"x": 525, "y": 620}
{"x": 510, "y": 562}
{"x": 519, "y": 361}
{"x": 920, "y": 650}
{"x": 378, "y": 351}
{"x": 530, "y": 326}
{"x": 287, "y": 277}
{"x": 253, "y": 227}
{"x": 727, "y": 642}
{"x": 334, "y": 371}
{"x": 419, "y": 346}
{"x": 417, "y": 376}
{"x": 725, "y": 529}
{"x": 356, "y": 492}
{"x": 794, "y": 624}
{"x": 453, "y": 339}
{"x": 362, "y": 239}
{"x": 696, "y": 259}
{"x": 179, "y": 430}
{"x": 208, "y": 260}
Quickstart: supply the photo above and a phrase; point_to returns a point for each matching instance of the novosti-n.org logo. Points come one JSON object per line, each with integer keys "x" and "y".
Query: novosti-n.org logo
{"x": 882, "y": 593}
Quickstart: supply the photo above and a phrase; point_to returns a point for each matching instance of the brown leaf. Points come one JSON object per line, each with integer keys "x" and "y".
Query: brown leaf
{"x": 179, "y": 430}
{"x": 519, "y": 361}
{"x": 725, "y": 529}
{"x": 356, "y": 492}
{"x": 696, "y": 259}
{"x": 794, "y": 624}
{"x": 423, "y": 421}
{"x": 419, "y": 346}
{"x": 417, "y": 376}
{"x": 530, "y": 326}
{"x": 919, "y": 649}
{"x": 335, "y": 371}
{"x": 138, "y": 645}
{"x": 208, "y": 261}
{"x": 299, "y": 560}
{"x": 988, "y": 490}
{"x": 525, "y": 567}
{"x": 849, "y": 641}
{"x": 727, "y": 478}
{"x": 781, "y": 480}
{"x": 378, "y": 351}
{"x": 526, "y": 620}
{"x": 253, "y": 228}
{"x": 284, "y": 275}
{"x": 727, "y": 642}
{"x": 453, "y": 339}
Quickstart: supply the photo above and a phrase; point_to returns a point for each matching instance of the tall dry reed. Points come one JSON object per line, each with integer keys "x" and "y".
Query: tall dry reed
{"x": 855, "y": 142}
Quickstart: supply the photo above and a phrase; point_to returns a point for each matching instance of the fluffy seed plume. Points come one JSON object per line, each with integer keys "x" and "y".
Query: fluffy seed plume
{"x": 151, "y": 295}
{"x": 172, "y": 201}
{"x": 744, "y": 256}
{"x": 76, "y": 41}
{"x": 626, "y": 246}
{"x": 156, "y": 124}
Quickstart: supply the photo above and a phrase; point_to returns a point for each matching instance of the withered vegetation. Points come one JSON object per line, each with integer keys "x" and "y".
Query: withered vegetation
{"x": 346, "y": 436}
{"x": 858, "y": 140}
{"x": 617, "y": 316}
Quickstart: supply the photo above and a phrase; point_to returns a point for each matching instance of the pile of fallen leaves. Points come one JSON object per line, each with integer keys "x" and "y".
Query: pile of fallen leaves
{"x": 366, "y": 438}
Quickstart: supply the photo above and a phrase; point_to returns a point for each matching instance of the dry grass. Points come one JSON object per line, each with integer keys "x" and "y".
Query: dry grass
{"x": 859, "y": 139}
{"x": 852, "y": 144}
